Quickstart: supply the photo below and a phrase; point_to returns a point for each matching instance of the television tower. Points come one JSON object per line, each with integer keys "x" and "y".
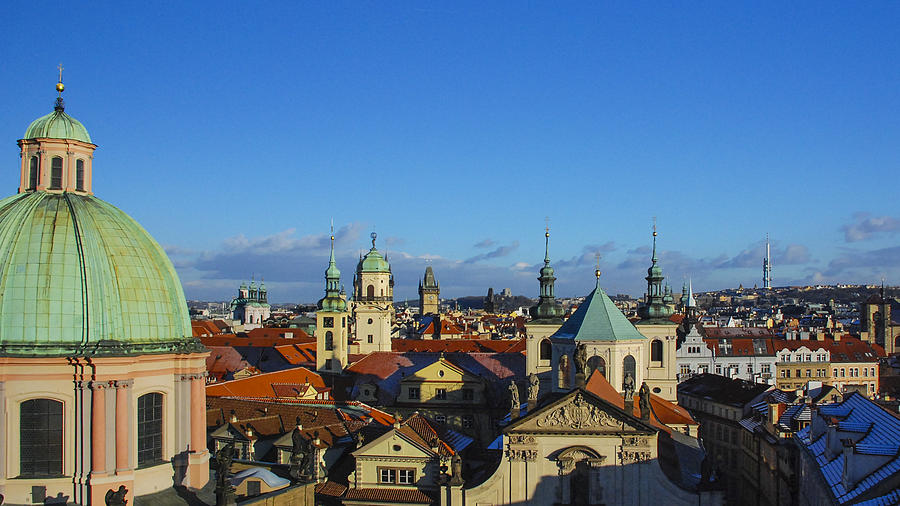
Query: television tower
{"x": 767, "y": 267}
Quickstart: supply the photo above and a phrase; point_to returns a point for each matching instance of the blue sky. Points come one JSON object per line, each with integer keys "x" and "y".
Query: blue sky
{"x": 234, "y": 132}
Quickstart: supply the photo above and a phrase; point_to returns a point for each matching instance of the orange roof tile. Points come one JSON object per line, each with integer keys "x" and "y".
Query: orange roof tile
{"x": 663, "y": 412}
{"x": 298, "y": 353}
{"x": 260, "y": 385}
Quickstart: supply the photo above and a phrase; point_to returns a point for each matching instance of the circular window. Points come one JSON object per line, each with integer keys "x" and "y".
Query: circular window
{"x": 370, "y": 321}
{"x": 657, "y": 390}
{"x": 396, "y": 448}
{"x": 441, "y": 373}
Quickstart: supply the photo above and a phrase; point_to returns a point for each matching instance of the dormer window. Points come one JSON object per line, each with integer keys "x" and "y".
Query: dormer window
{"x": 79, "y": 175}
{"x": 56, "y": 166}
{"x": 33, "y": 173}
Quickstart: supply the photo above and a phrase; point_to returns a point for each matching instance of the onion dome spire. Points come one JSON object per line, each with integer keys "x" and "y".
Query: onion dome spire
{"x": 333, "y": 300}
{"x": 547, "y": 308}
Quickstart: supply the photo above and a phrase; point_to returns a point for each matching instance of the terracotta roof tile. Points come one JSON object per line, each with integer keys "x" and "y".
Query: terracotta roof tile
{"x": 663, "y": 412}
{"x": 331, "y": 489}
{"x": 260, "y": 385}
{"x": 389, "y": 495}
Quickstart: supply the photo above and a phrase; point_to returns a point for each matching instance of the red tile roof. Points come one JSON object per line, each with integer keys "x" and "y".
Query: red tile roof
{"x": 261, "y": 342}
{"x": 389, "y": 495}
{"x": 298, "y": 354}
{"x": 204, "y": 328}
{"x": 459, "y": 345}
{"x": 740, "y": 347}
{"x": 223, "y": 360}
{"x": 267, "y": 333}
{"x": 848, "y": 349}
{"x": 663, "y": 412}
{"x": 260, "y": 385}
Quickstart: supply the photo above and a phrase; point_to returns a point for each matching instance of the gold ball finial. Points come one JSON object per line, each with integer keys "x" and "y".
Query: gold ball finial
{"x": 60, "y": 87}
{"x": 597, "y": 273}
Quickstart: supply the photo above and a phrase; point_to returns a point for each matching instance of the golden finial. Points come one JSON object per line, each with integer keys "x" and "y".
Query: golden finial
{"x": 654, "y": 226}
{"x": 60, "y": 86}
{"x": 546, "y": 226}
{"x": 597, "y": 272}
{"x": 332, "y": 230}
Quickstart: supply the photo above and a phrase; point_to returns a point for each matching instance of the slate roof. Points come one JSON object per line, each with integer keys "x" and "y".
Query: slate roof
{"x": 875, "y": 432}
{"x": 733, "y": 392}
{"x": 598, "y": 319}
{"x": 738, "y": 332}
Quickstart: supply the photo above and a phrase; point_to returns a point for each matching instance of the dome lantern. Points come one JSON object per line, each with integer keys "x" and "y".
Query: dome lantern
{"x": 56, "y": 153}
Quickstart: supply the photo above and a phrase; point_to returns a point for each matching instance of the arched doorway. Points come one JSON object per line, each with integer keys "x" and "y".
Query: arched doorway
{"x": 579, "y": 483}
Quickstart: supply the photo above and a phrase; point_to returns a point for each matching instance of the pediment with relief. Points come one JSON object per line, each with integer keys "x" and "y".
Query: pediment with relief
{"x": 579, "y": 413}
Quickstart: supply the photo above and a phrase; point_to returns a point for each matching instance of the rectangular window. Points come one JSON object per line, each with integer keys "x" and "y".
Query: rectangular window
{"x": 765, "y": 368}
{"x": 440, "y": 394}
{"x": 328, "y": 322}
{"x": 468, "y": 421}
{"x": 149, "y": 425}
{"x": 79, "y": 175}
{"x": 406, "y": 476}
{"x": 400, "y": 476}
{"x": 370, "y": 339}
{"x": 468, "y": 394}
{"x": 386, "y": 475}
{"x": 440, "y": 418}
{"x": 413, "y": 392}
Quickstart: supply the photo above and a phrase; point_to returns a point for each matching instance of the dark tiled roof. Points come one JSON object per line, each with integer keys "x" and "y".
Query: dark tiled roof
{"x": 734, "y": 392}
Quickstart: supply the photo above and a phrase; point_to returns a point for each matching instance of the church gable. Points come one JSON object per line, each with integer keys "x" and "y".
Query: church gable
{"x": 394, "y": 444}
{"x": 441, "y": 370}
{"x": 580, "y": 412}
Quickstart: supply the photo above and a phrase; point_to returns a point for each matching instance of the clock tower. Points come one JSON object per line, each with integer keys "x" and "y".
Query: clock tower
{"x": 429, "y": 294}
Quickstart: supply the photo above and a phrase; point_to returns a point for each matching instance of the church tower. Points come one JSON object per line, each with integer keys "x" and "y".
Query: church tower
{"x": 429, "y": 294}
{"x": 373, "y": 301}
{"x": 661, "y": 331}
{"x": 546, "y": 318}
{"x": 332, "y": 321}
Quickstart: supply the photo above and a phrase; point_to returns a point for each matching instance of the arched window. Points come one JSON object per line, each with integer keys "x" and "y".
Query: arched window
{"x": 40, "y": 438}
{"x": 546, "y": 350}
{"x": 149, "y": 426}
{"x": 56, "y": 173}
{"x": 33, "y": 173}
{"x": 79, "y": 175}
{"x": 370, "y": 291}
{"x": 596, "y": 363}
{"x": 628, "y": 368}
{"x": 656, "y": 351}
{"x": 329, "y": 341}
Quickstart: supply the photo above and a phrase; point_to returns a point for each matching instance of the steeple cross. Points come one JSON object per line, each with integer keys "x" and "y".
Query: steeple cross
{"x": 546, "y": 224}
{"x": 60, "y": 67}
{"x": 654, "y": 225}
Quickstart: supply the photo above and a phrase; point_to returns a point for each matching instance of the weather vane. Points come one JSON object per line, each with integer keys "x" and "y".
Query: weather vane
{"x": 546, "y": 224}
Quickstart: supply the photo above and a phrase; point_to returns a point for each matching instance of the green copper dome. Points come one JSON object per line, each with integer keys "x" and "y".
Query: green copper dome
{"x": 374, "y": 262}
{"x": 79, "y": 276}
{"x": 57, "y": 125}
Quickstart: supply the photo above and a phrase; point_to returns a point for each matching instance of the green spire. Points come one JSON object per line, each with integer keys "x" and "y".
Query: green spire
{"x": 547, "y": 307}
{"x": 332, "y": 302}
{"x": 655, "y": 306}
